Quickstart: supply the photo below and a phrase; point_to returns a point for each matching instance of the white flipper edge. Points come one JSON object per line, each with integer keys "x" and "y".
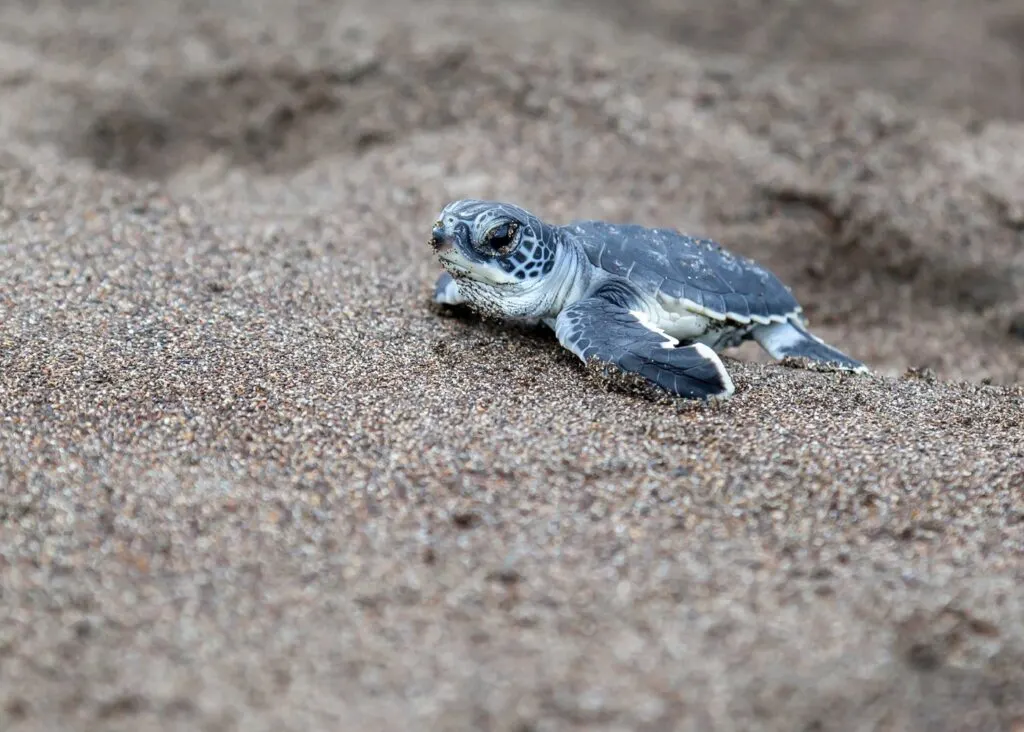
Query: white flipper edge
{"x": 645, "y": 320}
{"x": 709, "y": 353}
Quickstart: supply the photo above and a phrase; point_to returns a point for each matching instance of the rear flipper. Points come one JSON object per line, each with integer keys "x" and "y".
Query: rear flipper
{"x": 783, "y": 340}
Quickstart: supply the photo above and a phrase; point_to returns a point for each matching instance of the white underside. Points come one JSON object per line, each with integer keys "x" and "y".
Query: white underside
{"x": 685, "y": 320}
{"x": 676, "y": 320}
{"x": 689, "y": 317}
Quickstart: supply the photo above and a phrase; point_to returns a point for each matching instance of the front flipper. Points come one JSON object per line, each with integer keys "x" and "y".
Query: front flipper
{"x": 446, "y": 291}
{"x": 783, "y": 340}
{"x": 596, "y": 328}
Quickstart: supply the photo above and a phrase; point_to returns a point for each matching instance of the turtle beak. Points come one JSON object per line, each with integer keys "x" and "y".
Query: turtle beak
{"x": 439, "y": 240}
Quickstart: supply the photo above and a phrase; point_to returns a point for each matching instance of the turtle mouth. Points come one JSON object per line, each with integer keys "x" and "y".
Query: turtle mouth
{"x": 454, "y": 268}
{"x": 461, "y": 269}
{"x": 440, "y": 245}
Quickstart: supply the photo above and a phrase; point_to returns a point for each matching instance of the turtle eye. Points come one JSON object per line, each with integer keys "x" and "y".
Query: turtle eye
{"x": 502, "y": 238}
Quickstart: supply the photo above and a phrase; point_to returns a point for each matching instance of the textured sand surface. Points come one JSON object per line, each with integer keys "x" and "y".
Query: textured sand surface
{"x": 252, "y": 480}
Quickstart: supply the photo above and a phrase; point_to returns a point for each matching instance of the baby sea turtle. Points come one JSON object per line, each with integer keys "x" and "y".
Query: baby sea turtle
{"x": 651, "y": 301}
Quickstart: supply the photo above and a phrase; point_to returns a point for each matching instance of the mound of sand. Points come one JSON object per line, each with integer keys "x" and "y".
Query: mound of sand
{"x": 252, "y": 480}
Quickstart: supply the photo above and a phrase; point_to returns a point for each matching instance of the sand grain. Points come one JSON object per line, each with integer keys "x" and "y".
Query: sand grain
{"x": 251, "y": 479}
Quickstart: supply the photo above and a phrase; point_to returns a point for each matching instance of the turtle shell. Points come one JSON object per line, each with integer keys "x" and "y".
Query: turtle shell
{"x": 700, "y": 273}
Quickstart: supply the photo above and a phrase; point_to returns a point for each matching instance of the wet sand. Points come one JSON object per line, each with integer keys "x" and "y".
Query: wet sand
{"x": 251, "y": 479}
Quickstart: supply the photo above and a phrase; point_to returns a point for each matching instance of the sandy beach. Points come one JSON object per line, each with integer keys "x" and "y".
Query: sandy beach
{"x": 252, "y": 479}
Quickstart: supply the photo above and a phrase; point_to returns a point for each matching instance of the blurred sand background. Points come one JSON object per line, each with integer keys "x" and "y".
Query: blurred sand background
{"x": 251, "y": 480}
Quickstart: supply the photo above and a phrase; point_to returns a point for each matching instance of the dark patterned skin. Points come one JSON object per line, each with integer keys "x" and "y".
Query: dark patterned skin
{"x": 534, "y": 254}
{"x": 504, "y": 258}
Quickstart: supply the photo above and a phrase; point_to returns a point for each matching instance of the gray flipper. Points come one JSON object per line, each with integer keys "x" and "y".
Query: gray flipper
{"x": 446, "y": 291}
{"x": 783, "y": 340}
{"x": 597, "y": 328}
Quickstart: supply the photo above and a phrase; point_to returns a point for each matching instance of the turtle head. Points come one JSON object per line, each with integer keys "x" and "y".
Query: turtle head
{"x": 500, "y": 255}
